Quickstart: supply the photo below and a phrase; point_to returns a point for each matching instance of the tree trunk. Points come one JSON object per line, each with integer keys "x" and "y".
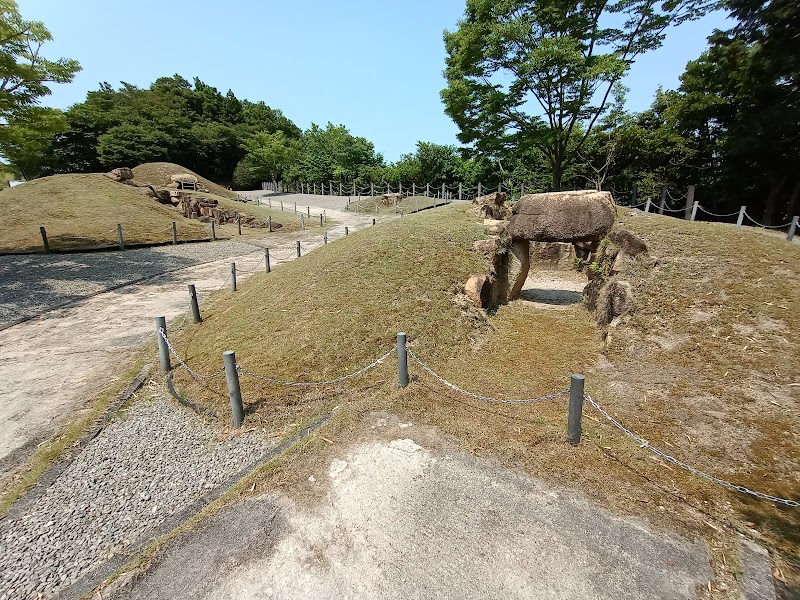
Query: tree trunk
{"x": 558, "y": 172}
{"x": 772, "y": 206}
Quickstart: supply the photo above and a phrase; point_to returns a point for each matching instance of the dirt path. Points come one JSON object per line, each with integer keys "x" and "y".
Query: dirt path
{"x": 54, "y": 363}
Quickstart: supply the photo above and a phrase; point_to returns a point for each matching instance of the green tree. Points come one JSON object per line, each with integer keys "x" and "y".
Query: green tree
{"x": 267, "y": 157}
{"x": 334, "y": 154}
{"x": 127, "y": 145}
{"x": 26, "y": 140}
{"x": 540, "y": 74}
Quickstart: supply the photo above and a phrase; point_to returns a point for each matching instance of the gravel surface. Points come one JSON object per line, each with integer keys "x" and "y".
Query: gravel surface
{"x": 32, "y": 283}
{"x": 145, "y": 466}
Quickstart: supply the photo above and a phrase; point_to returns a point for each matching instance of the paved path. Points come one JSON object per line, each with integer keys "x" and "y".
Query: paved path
{"x": 53, "y": 364}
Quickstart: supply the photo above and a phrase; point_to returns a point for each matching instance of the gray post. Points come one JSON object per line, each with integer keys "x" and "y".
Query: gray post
{"x": 427, "y": 190}
{"x": 269, "y": 223}
{"x": 258, "y": 201}
{"x": 413, "y": 189}
{"x": 695, "y": 204}
{"x": 302, "y": 221}
{"x": 647, "y": 206}
{"x": 460, "y": 189}
{"x": 270, "y": 202}
{"x": 663, "y": 200}
{"x": 320, "y": 220}
{"x": 521, "y": 189}
{"x": 325, "y": 215}
{"x": 213, "y": 231}
{"x": 346, "y": 231}
{"x": 281, "y": 205}
{"x": 399, "y": 187}
{"x": 741, "y": 217}
{"x": 239, "y": 222}
{"x": 174, "y": 233}
{"x": 340, "y": 188}
{"x": 792, "y": 229}
{"x": 234, "y": 391}
{"x": 687, "y": 214}
{"x": 309, "y": 212}
{"x": 354, "y": 189}
{"x": 266, "y": 259}
{"x": 402, "y": 360}
{"x": 163, "y": 349}
{"x": 575, "y": 409}
{"x": 233, "y": 276}
{"x": 195, "y": 305}
{"x": 120, "y": 238}
{"x": 479, "y": 188}
{"x": 325, "y": 238}
{"x": 295, "y": 208}
{"x": 371, "y": 189}
{"x": 442, "y": 191}
{"x": 373, "y": 221}
{"x": 298, "y": 249}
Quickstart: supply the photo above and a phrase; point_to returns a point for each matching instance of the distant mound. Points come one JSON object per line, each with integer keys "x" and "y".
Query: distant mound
{"x": 81, "y": 211}
{"x": 159, "y": 174}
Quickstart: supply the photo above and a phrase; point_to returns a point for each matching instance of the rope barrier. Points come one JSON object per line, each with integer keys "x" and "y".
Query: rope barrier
{"x": 708, "y": 212}
{"x": 195, "y": 374}
{"x": 766, "y": 226}
{"x": 671, "y": 210}
{"x": 316, "y": 383}
{"x": 680, "y": 197}
{"x": 671, "y": 459}
{"x": 478, "y": 396}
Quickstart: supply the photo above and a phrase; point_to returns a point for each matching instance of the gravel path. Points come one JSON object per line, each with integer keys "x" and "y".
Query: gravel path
{"x": 145, "y": 466}
{"x": 32, "y": 283}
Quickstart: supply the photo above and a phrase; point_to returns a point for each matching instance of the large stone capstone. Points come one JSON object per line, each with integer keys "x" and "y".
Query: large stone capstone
{"x": 578, "y": 216}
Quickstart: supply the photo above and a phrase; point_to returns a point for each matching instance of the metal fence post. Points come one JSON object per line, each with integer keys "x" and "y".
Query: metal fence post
{"x": 575, "y": 409}
{"x": 741, "y": 217}
{"x": 298, "y": 249}
{"x": 233, "y": 276}
{"x": 266, "y": 259}
{"x": 687, "y": 213}
{"x": 174, "y": 233}
{"x": 195, "y": 305}
{"x": 663, "y": 200}
{"x": 213, "y": 231}
{"x": 234, "y": 391}
{"x": 120, "y": 238}
{"x": 163, "y": 350}
{"x": 402, "y": 359}
{"x": 44, "y": 240}
{"x": 792, "y": 229}
{"x": 347, "y": 231}
{"x": 695, "y": 204}
{"x": 647, "y": 206}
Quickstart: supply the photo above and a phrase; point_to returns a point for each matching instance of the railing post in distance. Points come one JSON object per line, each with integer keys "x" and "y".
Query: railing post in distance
{"x": 239, "y": 222}
{"x": 792, "y": 229}
{"x": 234, "y": 391}
{"x": 298, "y": 249}
{"x": 427, "y": 190}
{"x": 119, "y": 237}
{"x": 373, "y": 221}
{"x": 163, "y": 350}
{"x": 575, "y": 409}
{"x": 213, "y": 231}
{"x": 695, "y": 204}
{"x": 281, "y": 205}
{"x": 689, "y": 211}
{"x": 402, "y": 359}
{"x": 269, "y": 224}
{"x": 320, "y": 220}
{"x": 233, "y": 276}
{"x": 325, "y": 215}
{"x": 309, "y": 212}
{"x": 647, "y": 206}
{"x": 460, "y": 190}
{"x": 347, "y": 231}
{"x": 195, "y": 305}
{"x": 266, "y": 259}
{"x": 325, "y": 238}
{"x": 663, "y": 200}
{"x": 174, "y": 233}
{"x": 741, "y": 217}
{"x": 302, "y": 221}
{"x": 44, "y": 240}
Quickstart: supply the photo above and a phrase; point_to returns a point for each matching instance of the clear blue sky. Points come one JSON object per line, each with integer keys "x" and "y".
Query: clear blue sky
{"x": 373, "y": 65}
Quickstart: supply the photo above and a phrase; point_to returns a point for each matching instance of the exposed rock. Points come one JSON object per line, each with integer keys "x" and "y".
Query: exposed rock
{"x": 183, "y": 178}
{"x": 391, "y": 199}
{"x": 122, "y": 174}
{"x": 496, "y": 226}
{"x": 579, "y": 216}
{"x": 518, "y": 266}
{"x": 491, "y": 206}
{"x": 487, "y": 247}
{"x": 628, "y": 242}
{"x": 479, "y": 290}
{"x": 553, "y": 255}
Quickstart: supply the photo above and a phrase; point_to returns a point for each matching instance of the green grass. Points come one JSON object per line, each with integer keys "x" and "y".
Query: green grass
{"x": 82, "y": 211}
{"x": 407, "y": 205}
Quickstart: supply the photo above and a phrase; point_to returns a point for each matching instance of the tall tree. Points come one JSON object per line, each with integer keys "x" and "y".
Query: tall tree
{"x": 540, "y": 74}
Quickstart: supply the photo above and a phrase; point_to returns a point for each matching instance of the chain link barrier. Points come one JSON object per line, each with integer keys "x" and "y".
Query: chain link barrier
{"x": 372, "y": 365}
{"x": 478, "y": 396}
{"x": 671, "y": 459}
{"x": 193, "y": 373}
{"x": 766, "y": 226}
{"x": 708, "y": 212}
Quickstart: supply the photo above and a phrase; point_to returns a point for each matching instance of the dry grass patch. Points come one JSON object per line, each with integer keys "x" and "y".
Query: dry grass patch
{"x": 158, "y": 174}
{"x": 82, "y": 211}
{"x": 407, "y": 205}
